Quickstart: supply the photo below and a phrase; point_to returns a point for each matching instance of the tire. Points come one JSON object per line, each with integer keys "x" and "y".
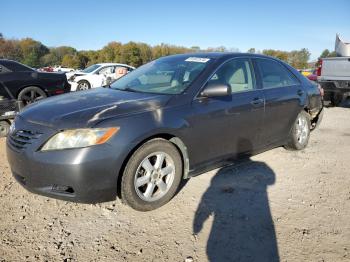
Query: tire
{"x": 300, "y": 133}
{"x": 147, "y": 195}
{"x": 4, "y": 128}
{"x": 336, "y": 98}
{"x": 30, "y": 95}
{"x": 83, "y": 85}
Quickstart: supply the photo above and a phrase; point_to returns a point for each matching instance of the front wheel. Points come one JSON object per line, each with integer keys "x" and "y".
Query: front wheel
{"x": 83, "y": 85}
{"x": 152, "y": 175}
{"x": 300, "y": 133}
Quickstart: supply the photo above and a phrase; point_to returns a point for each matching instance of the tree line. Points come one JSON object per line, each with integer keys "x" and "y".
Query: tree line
{"x": 35, "y": 54}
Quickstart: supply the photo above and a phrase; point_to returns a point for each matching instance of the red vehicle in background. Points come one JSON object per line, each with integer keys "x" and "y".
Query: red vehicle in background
{"x": 313, "y": 76}
{"x": 46, "y": 69}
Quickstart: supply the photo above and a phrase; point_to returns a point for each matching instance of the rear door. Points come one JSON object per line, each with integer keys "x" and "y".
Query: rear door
{"x": 283, "y": 99}
{"x": 226, "y": 126}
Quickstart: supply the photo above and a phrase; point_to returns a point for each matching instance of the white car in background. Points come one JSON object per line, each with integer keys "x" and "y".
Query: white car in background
{"x": 97, "y": 75}
{"x": 62, "y": 69}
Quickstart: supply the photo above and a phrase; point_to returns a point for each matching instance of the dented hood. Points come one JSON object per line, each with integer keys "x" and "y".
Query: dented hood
{"x": 86, "y": 108}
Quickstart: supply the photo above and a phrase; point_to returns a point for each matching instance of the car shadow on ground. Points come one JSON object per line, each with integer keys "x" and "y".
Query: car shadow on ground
{"x": 237, "y": 200}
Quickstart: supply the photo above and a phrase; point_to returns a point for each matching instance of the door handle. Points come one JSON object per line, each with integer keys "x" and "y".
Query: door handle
{"x": 257, "y": 101}
{"x": 300, "y": 92}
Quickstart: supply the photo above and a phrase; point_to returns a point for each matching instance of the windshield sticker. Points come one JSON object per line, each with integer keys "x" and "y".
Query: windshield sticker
{"x": 197, "y": 59}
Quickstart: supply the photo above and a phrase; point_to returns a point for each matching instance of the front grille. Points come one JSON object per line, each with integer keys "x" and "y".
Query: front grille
{"x": 22, "y": 138}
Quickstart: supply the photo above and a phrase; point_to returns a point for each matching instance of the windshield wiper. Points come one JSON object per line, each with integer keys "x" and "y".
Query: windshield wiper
{"x": 128, "y": 89}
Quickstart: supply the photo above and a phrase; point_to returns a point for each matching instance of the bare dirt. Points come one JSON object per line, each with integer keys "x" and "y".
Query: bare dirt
{"x": 279, "y": 205}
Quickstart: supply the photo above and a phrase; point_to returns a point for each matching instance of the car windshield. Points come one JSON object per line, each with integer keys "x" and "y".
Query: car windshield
{"x": 169, "y": 75}
{"x": 91, "y": 68}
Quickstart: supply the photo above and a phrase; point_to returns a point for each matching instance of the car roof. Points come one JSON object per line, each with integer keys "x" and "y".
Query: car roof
{"x": 216, "y": 55}
{"x": 8, "y": 61}
{"x": 112, "y": 64}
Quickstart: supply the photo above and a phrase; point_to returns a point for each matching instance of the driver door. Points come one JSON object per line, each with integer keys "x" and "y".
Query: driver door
{"x": 224, "y": 127}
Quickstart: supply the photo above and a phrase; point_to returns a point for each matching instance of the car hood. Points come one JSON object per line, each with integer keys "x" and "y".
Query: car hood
{"x": 86, "y": 108}
{"x": 75, "y": 74}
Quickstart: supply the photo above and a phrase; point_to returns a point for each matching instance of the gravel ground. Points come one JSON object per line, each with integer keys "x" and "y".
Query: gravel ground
{"x": 279, "y": 205}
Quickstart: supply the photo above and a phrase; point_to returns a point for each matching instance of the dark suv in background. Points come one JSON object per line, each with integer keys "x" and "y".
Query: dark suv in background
{"x": 168, "y": 120}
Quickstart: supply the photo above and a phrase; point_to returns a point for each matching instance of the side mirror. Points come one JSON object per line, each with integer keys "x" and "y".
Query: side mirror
{"x": 213, "y": 90}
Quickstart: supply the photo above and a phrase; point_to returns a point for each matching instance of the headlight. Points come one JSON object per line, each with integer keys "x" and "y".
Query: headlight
{"x": 77, "y": 138}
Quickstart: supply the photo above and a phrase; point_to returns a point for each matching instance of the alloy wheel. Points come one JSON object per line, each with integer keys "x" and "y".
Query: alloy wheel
{"x": 31, "y": 96}
{"x": 154, "y": 176}
{"x": 83, "y": 86}
{"x": 302, "y": 131}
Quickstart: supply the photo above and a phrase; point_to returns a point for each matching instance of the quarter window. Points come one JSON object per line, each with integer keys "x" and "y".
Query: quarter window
{"x": 4, "y": 70}
{"x": 237, "y": 73}
{"x": 273, "y": 74}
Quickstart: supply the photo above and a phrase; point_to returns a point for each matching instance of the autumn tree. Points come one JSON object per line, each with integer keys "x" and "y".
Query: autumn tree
{"x": 10, "y": 49}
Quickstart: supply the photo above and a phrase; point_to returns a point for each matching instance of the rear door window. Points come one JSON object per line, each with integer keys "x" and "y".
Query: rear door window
{"x": 3, "y": 69}
{"x": 274, "y": 74}
{"x": 16, "y": 67}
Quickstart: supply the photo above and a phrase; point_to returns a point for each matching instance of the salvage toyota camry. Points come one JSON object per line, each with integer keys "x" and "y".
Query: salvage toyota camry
{"x": 168, "y": 120}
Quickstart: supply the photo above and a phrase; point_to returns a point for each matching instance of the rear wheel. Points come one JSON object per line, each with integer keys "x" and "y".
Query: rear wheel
{"x": 30, "y": 95}
{"x": 300, "y": 133}
{"x": 4, "y": 128}
{"x": 152, "y": 175}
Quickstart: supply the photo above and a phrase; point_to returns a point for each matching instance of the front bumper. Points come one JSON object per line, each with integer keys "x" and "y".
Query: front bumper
{"x": 73, "y": 86}
{"x": 87, "y": 175}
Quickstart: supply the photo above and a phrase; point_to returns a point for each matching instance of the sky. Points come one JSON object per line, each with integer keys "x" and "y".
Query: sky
{"x": 266, "y": 24}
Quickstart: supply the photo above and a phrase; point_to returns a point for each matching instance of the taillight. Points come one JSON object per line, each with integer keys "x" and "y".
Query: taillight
{"x": 319, "y": 68}
{"x": 320, "y": 89}
{"x": 58, "y": 92}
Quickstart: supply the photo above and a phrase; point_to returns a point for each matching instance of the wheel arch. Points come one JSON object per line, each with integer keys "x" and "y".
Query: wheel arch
{"x": 84, "y": 79}
{"x": 23, "y": 87}
{"x": 175, "y": 140}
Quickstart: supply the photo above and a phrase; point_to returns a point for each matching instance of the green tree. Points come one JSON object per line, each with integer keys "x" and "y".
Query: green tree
{"x": 251, "y": 50}
{"x": 145, "y": 53}
{"x": 75, "y": 61}
{"x": 327, "y": 53}
{"x": 131, "y": 54}
{"x": 32, "y": 52}
{"x": 111, "y": 52}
